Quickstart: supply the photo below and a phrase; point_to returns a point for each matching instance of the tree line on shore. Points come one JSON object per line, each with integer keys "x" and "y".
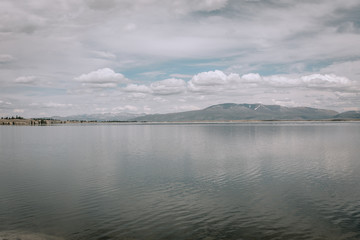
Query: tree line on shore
{"x": 16, "y": 117}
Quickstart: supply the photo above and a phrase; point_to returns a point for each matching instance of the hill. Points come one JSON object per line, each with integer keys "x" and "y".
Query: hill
{"x": 349, "y": 115}
{"x": 232, "y": 111}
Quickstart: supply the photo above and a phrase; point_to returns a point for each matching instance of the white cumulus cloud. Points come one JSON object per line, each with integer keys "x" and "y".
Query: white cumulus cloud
{"x": 252, "y": 77}
{"x": 102, "y": 78}
{"x": 209, "y": 78}
{"x": 213, "y": 81}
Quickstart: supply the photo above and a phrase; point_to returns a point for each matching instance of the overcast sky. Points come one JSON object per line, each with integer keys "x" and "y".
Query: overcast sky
{"x": 65, "y": 57}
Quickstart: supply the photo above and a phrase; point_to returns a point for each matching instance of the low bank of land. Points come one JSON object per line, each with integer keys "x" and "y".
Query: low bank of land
{"x": 42, "y": 122}
{"x": 11, "y": 121}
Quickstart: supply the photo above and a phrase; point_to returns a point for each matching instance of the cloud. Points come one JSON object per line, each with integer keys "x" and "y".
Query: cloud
{"x": 183, "y": 6}
{"x": 6, "y": 58}
{"x": 57, "y": 105}
{"x": 104, "y": 75}
{"x": 100, "y": 85}
{"x": 168, "y": 86}
{"x": 137, "y": 88}
{"x": 213, "y": 81}
{"x": 130, "y": 27}
{"x": 179, "y": 75}
{"x": 312, "y": 81}
{"x": 174, "y": 6}
{"x": 101, "y": 5}
{"x": 217, "y": 81}
{"x": 327, "y": 79}
{"x": 209, "y": 78}
{"x": 124, "y": 108}
{"x": 350, "y": 69}
{"x": 17, "y": 17}
{"x": 4, "y": 102}
{"x": 105, "y": 55}
{"x": 252, "y": 77}
{"x": 160, "y": 100}
{"x": 210, "y": 5}
{"x": 284, "y": 102}
{"x": 102, "y": 78}
{"x": 207, "y": 81}
{"x": 18, "y": 110}
{"x": 28, "y": 80}
{"x": 184, "y": 108}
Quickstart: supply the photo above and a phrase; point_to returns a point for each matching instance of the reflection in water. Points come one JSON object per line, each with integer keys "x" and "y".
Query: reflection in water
{"x": 215, "y": 181}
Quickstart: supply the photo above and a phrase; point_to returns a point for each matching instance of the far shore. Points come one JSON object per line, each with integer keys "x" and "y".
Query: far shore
{"x": 31, "y": 122}
{"x": 40, "y": 122}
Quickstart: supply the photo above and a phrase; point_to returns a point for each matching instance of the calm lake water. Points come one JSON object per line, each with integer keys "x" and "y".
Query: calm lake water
{"x": 197, "y": 181}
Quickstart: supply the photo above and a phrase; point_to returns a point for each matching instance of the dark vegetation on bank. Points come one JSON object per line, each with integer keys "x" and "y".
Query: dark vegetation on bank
{"x": 49, "y": 121}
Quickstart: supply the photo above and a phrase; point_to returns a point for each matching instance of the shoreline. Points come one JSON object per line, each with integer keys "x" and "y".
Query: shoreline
{"x": 47, "y": 122}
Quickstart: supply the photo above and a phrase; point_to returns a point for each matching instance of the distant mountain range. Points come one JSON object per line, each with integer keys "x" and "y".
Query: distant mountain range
{"x": 232, "y": 111}
{"x": 349, "y": 115}
{"x": 226, "y": 112}
{"x": 100, "y": 117}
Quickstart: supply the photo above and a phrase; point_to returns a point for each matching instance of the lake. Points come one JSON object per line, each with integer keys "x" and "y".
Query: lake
{"x": 266, "y": 180}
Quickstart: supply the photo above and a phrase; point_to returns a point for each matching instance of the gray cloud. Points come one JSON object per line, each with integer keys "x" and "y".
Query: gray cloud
{"x": 168, "y": 86}
{"x": 57, "y": 105}
{"x": 30, "y": 80}
{"x": 351, "y": 69}
{"x": 101, "y": 5}
{"x": 6, "y": 58}
{"x": 137, "y": 88}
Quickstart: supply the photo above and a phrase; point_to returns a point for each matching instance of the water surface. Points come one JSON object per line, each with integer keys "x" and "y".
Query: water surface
{"x": 192, "y": 181}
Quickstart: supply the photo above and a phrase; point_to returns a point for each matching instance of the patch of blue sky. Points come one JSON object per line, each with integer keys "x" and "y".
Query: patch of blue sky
{"x": 314, "y": 66}
{"x": 300, "y": 67}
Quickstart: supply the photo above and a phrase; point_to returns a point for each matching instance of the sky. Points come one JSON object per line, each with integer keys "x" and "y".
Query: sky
{"x": 69, "y": 57}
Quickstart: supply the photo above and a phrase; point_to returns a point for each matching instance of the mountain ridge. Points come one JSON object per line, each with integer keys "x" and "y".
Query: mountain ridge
{"x": 245, "y": 111}
{"x": 100, "y": 117}
{"x": 225, "y": 112}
